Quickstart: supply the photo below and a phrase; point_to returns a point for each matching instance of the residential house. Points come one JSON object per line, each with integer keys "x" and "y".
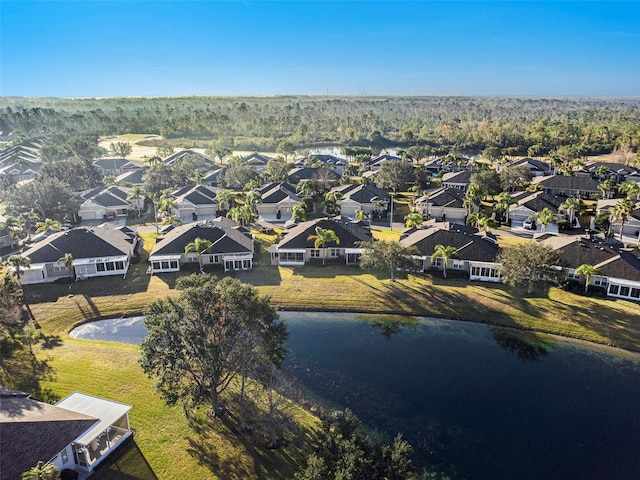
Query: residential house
{"x": 96, "y": 252}
{"x": 368, "y": 198}
{"x": 537, "y": 168}
{"x": 476, "y": 251}
{"x": 256, "y": 161}
{"x": 323, "y": 175}
{"x": 20, "y": 162}
{"x": 617, "y": 172}
{"x": 569, "y": 186}
{"x": 97, "y": 203}
{"x": 212, "y": 177}
{"x": 530, "y": 203}
{"x": 460, "y": 180}
{"x": 631, "y": 229}
{"x": 205, "y": 162}
{"x": 131, "y": 177}
{"x": 296, "y": 248}
{"x": 278, "y": 200}
{"x": 77, "y": 433}
{"x": 114, "y": 166}
{"x": 331, "y": 161}
{"x": 376, "y": 162}
{"x": 195, "y": 203}
{"x": 619, "y": 267}
{"x": 232, "y": 247}
{"x": 445, "y": 204}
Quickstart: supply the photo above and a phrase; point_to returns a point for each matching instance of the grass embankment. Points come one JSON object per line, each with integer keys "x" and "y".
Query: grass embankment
{"x": 175, "y": 448}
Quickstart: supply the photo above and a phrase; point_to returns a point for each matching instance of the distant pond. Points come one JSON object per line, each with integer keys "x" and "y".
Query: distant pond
{"x": 475, "y": 401}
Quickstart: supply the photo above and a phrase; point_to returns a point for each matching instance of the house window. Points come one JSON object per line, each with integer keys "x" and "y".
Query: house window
{"x": 59, "y": 268}
{"x": 458, "y": 265}
{"x": 64, "y": 456}
{"x": 315, "y": 253}
{"x": 635, "y": 293}
{"x": 214, "y": 259}
{"x": 119, "y": 265}
{"x": 572, "y": 274}
{"x": 173, "y": 264}
{"x": 192, "y": 257}
{"x": 110, "y": 266}
{"x": 334, "y": 252}
{"x": 437, "y": 262}
{"x": 624, "y": 291}
{"x": 100, "y": 267}
{"x": 599, "y": 281}
{"x": 613, "y": 289}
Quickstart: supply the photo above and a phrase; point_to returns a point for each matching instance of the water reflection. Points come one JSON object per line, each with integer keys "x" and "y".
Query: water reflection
{"x": 390, "y": 325}
{"x": 528, "y": 346}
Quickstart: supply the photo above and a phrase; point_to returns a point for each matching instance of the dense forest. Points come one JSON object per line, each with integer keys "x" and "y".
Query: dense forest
{"x": 433, "y": 125}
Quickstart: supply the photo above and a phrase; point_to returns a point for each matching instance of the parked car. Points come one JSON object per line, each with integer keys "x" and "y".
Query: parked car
{"x": 110, "y": 217}
{"x": 529, "y": 224}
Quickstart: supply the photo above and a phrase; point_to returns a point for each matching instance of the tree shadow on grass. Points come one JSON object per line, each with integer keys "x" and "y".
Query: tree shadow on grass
{"x": 126, "y": 463}
{"x": 220, "y": 446}
{"x": 24, "y": 371}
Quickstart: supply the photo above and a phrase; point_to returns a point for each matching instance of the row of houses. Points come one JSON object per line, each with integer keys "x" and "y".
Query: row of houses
{"x": 101, "y": 251}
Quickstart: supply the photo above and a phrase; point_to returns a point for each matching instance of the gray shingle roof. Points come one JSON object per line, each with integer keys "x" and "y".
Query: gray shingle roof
{"x": 562, "y": 182}
{"x": 310, "y": 173}
{"x": 471, "y": 244}
{"x": 81, "y": 243}
{"x": 348, "y": 232}
{"x": 225, "y": 235}
{"x": 444, "y": 197}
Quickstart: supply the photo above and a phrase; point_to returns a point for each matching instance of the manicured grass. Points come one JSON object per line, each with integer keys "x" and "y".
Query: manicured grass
{"x": 169, "y": 446}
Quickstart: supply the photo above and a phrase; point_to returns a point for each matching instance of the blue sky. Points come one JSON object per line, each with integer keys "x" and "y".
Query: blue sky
{"x": 156, "y": 48}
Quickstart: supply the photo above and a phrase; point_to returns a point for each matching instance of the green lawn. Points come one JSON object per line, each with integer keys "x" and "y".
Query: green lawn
{"x": 169, "y": 446}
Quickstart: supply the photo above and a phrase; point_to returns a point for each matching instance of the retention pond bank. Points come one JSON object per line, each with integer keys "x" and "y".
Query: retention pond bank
{"x": 475, "y": 401}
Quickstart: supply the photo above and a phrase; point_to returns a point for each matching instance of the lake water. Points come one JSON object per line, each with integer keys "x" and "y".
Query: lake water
{"x": 476, "y": 402}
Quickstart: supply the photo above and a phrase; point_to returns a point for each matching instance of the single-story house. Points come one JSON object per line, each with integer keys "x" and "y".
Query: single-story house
{"x": 96, "y": 252}
{"x": 569, "y": 186}
{"x": 460, "y": 180}
{"x": 323, "y": 175}
{"x": 256, "y": 161}
{"x": 530, "y": 203}
{"x": 297, "y": 249}
{"x": 232, "y": 247}
{"x": 19, "y": 171}
{"x": 445, "y": 204}
{"x": 131, "y": 177}
{"x": 98, "y": 202}
{"x": 196, "y": 203}
{"x": 375, "y": 163}
{"x": 331, "y": 161}
{"x": 631, "y": 229}
{"x": 538, "y": 168}
{"x": 476, "y": 251}
{"x": 201, "y": 159}
{"x": 114, "y": 166}
{"x": 367, "y": 197}
{"x": 614, "y": 171}
{"x": 278, "y": 200}
{"x": 77, "y": 433}
{"x": 619, "y": 267}
{"x": 212, "y": 177}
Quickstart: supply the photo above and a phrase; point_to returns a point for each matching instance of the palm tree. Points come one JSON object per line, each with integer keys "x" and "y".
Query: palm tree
{"x": 502, "y": 204}
{"x": 445, "y": 253}
{"x": 42, "y": 471}
{"x": 135, "y": 193}
{"x": 544, "y": 217}
{"x": 621, "y": 211}
{"x": 17, "y": 263}
{"x": 254, "y": 197}
{"x": 307, "y": 188}
{"x": 322, "y": 237}
{"x": 196, "y": 177}
{"x": 172, "y": 220}
{"x": 606, "y": 186}
{"x": 413, "y": 219}
{"x": 331, "y": 200}
{"x": 48, "y": 224}
{"x": 362, "y": 215}
{"x": 29, "y": 220}
{"x": 241, "y": 215}
{"x": 573, "y": 205}
{"x": 199, "y": 245}
{"x": 13, "y": 227}
{"x": 472, "y": 197}
{"x": 630, "y": 189}
{"x": 166, "y": 203}
{"x": 225, "y": 199}
{"x": 67, "y": 260}
{"x": 299, "y": 212}
{"x": 587, "y": 271}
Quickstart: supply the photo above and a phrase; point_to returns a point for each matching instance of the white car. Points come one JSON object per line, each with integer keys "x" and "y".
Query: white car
{"x": 528, "y": 224}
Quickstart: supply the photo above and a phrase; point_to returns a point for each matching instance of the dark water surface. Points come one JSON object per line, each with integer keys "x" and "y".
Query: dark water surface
{"x": 476, "y": 402}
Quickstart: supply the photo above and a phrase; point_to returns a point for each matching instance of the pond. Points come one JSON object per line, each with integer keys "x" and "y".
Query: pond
{"x": 475, "y": 401}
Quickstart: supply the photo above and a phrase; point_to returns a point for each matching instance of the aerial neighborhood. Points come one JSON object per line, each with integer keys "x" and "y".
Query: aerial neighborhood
{"x": 589, "y": 213}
